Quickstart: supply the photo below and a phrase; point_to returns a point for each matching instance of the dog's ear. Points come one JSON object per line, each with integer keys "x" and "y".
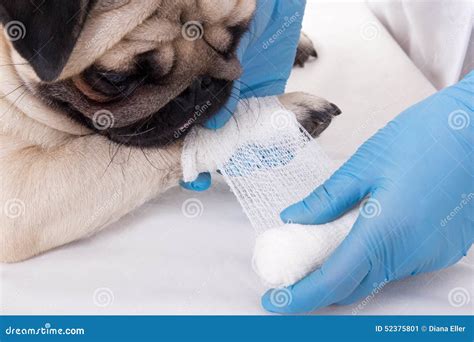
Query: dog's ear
{"x": 44, "y": 32}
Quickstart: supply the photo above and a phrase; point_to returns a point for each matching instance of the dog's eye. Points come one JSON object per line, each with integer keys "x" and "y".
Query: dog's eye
{"x": 114, "y": 78}
{"x": 109, "y": 83}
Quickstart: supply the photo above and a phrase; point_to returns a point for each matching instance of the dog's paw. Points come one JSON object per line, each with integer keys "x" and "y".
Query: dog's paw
{"x": 305, "y": 51}
{"x": 313, "y": 113}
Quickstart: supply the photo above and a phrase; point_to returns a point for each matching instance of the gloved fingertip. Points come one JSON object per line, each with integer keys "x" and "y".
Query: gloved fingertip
{"x": 288, "y": 215}
{"x": 225, "y": 113}
{"x": 202, "y": 183}
{"x": 201, "y": 187}
{"x": 298, "y": 213}
{"x": 218, "y": 121}
{"x": 185, "y": 185}
{"x": 211, "y": 123}
{"x": 192, "y": 186}
{"x": 268, "y": 302}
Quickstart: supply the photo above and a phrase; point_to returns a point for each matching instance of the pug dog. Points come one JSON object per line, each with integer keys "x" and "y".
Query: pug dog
{"x": 92, "y": 93}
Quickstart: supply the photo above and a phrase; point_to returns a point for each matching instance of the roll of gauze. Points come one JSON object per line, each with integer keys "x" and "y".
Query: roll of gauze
{"x": 270, "y": 162}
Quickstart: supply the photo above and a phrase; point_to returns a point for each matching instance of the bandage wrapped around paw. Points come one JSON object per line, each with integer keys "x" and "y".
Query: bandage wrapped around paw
{"x": 270, "y": 162}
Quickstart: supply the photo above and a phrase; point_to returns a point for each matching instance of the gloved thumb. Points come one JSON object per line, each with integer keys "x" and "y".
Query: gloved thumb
{"x": 344, "y": 189}
{"x": 202, "y": 183}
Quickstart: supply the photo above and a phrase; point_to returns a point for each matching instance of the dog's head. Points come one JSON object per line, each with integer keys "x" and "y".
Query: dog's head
{"x": 140, "y": 72}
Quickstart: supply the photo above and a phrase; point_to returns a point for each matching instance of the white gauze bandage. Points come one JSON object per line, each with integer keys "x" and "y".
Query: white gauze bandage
{"x": 270, "y": 162}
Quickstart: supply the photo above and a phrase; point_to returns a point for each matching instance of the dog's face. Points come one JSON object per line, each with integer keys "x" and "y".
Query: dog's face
{"x": 141, "y": 72}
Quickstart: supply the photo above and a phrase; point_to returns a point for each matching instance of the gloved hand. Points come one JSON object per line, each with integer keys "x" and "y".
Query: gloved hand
{"x": 267, "y": 57}
{"x": 418, "y": 173}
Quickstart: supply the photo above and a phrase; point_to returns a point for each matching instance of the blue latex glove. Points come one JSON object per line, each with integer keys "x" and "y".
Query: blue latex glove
{"x": 267, "y": 58}
{"x": 419, "y": 174}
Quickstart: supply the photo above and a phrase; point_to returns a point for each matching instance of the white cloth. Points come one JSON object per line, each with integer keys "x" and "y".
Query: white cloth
{"x": 266, "y": 157}
{"x": 159, "y": 261}
{"x": 436, "y": 34}
{"x": 270, "y": 162}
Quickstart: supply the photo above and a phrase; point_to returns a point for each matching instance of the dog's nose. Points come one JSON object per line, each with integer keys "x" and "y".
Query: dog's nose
{"x": 203, "y": 87}
{"x": 201, "y": 90}
{"x": 202, "y": 83}
{"x": 206, "y": 81}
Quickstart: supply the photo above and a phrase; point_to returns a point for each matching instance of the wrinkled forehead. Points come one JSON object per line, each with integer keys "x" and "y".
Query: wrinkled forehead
{"x": 116, "y": 29}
